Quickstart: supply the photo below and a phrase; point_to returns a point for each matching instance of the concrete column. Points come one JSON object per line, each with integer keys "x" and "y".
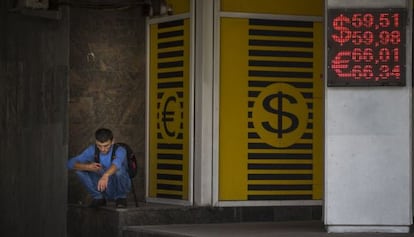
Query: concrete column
{"x": 368, "y": 153}
{"x": 203, "y": 153}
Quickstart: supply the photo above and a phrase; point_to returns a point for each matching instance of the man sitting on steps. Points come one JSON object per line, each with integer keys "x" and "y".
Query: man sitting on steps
{"x": 108, "y": 178}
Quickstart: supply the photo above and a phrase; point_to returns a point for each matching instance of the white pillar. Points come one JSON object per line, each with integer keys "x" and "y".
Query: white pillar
{"x": 203, "y": 153}
{"x": 368, "y": 153}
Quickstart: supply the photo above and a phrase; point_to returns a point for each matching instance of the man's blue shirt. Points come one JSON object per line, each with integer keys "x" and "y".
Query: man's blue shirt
{"x": 88, "y": 155}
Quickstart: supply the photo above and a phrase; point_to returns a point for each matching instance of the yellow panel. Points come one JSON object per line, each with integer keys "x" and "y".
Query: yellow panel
{"x": 283, "y": 7}
{"x": 179, "y": 6}
{"x": 318, "y": 112}
{"x": 271, "y": 110}
{"x": 233, "y": 87}
{"x": 169, "y": 110}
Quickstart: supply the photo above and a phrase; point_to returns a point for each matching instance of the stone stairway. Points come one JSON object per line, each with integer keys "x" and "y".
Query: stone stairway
{"x": 111, "y": 222}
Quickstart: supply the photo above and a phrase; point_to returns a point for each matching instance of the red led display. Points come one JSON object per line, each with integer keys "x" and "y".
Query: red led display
{"x": 366, "y": 47}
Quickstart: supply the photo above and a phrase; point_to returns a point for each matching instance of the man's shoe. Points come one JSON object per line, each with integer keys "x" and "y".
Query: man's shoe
{"x": 121, "y": 202}
{"x": 98, "y": 203}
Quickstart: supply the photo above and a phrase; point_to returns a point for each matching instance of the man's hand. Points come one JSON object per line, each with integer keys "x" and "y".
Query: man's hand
{"x": 103, "y": 183}
{"x": 94, "y": 167}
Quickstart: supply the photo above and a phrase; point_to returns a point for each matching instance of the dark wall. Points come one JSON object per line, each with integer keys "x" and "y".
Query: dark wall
{"x": 107, "y": 83}
{"x": 34, "y": 61}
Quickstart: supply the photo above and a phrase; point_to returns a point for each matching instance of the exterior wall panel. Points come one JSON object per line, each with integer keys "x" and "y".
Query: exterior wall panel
{"x": 169, "y": 94}
{"x": 270, "y": 142}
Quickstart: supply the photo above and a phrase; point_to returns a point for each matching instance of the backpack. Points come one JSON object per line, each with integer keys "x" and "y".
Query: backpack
{"x": 130, "y": 156}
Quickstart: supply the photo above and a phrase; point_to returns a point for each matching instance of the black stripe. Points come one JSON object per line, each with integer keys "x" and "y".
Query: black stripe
{"x": 170, "y": 24}
{"x": 280, "y": 166}
{"x": 279, "y": 197}
{"x": 287, "y": 54}
{"x": 177, "y": 84}
{"x": 269, "y": 187}
{"x": 253, "y": 135}
{"x": 169, "y": 196}
{"x": 264, "y": 22}
{"x": 163, "y": 166}
{"x": 180, "y": 94}
{"x": 307, "y": 136}
{"x": 306, "y": 85}
{"x": 250, "y": 104}
{"x": 170, "y": 44}
{"x": 170, "y": 176}
{"x": 259, "y": 83}
{"x": 170, "y": 74}
{"x": 307, "y": 95}
{"x": 253, "y": 94}
{"x": 170, "y": 187}
{"x": 171, "y": 64}
{"x": 309, "y": 126}
{"x": 262, "y": 63}
{"x": 253, "y": 145}
{"x": 164, "y": 156}
{"x": 172, "y": 54}
{"x": 280, "y": 43}
{"x": 279, "y": 177}
{"x": 159, "y": 135}
{"x": 282, "y": 33}
{"x": 169, "y": 34}
{"x": 278, "y": 156}
{"x": 255, "y": 73}
{"x": 170, "y": 146}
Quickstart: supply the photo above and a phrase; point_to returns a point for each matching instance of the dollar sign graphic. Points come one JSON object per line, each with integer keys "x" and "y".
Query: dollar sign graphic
{"x": 344, "y": 32}
{"x": 280, "y": 113}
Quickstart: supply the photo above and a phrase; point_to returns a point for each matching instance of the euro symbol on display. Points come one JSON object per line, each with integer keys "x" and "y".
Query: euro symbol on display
{"x": 340, "y": 64}
{"x": 280, "y": 130}
{"x": 168, "y": 116}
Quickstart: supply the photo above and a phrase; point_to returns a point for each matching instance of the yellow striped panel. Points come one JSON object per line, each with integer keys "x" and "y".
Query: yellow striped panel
{"x": 169, "y": 110}
{"x": 271, "y": 113}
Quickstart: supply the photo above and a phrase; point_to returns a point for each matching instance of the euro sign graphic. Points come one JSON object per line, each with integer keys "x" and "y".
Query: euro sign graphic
{"x": 168, "y": 116}
{"x": 281, "y": 127}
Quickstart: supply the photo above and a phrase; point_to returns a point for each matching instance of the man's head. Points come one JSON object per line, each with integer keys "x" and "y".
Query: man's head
{"x": 104, "y": 139}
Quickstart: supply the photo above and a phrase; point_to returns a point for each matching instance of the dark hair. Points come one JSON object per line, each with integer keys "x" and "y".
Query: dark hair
{"x": 103, "y": 135}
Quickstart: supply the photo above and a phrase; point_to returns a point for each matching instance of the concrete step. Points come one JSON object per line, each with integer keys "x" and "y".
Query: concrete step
{"x": 246, "y": 229}
{"x": 110, "y": 222}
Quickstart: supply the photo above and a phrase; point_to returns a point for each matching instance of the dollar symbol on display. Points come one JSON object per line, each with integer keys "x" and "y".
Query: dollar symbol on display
{"x": 344, "y": 32}
{"x": 280, "y": 130}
